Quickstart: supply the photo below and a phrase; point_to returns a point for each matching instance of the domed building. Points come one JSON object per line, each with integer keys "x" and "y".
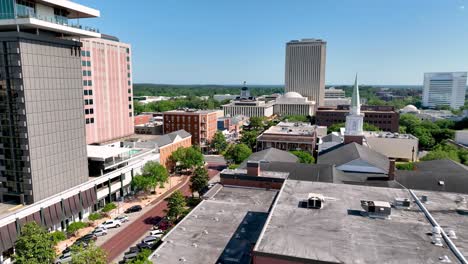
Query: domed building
{"x": 409, "y": 109}
{"x": 292, "y": 103}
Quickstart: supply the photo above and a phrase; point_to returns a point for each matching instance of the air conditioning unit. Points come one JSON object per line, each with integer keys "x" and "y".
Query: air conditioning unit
{"x": 377, "y": 209}
{"x": 402, "y": 203}
{"x": 315, "y": 201}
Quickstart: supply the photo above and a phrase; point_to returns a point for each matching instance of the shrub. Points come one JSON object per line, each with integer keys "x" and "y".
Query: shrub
{"x": 109, "y": 207}
{"x": 405, "y": 166}
{"x": 73, "y": 227}
{"x": 95, "y": 216}
{"x": 233, "y": 166}
{"x": 58, "y": 236}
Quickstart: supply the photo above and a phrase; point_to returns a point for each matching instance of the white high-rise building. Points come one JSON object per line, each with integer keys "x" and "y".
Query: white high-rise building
{"x": 444, "y": 89}
{"x": 305, "y": 68}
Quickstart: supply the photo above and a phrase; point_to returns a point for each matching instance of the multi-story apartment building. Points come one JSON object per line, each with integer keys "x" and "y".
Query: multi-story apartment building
{"x": 305, "y": 68}
{"x": 42, "y": 131}
{"x": 444, "y": 89}
{"x": 107, "y": 85}
{"x": 383, "y": 117}
{"x": 201, "y": 124}
{"x": 289, "y": 136}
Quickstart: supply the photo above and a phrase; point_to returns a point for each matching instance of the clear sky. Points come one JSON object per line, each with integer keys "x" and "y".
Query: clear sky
{"x": 229, "y": 41}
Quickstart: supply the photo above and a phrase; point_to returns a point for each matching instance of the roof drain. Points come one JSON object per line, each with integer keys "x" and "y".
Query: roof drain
{"x": 434, "y": 223}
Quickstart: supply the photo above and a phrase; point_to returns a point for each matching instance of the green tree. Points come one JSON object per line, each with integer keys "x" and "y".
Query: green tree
{"x": 440, "y": 154}
{"x": 237, "y": 153}
{"x": 296, "y": 118}
{"x": 141, "y": 183}
{"x": 426, "y": 140}
{"x": 199, "y": 180}
{"x": 249, "y": 138}
{"x": 75, "y": 226}
{"x": 156, "y": 174}
{"x": 88, "y": 255}
{"x": 58, "y": 236}
{"x": 218, "y": 143}
{"x": 304, "y": 156}
{"x": 370, "y": 127}
{"x": 256, "y": 123}
{"x": 175, "y": 206}
{"x": 335, "y": 127}
{"x": 409, "y": 121}
{"x": 34, "y": 245}
{"x": 142, "y": 257}
{"x": 109, "y": 207}
{"x": 187, "y": 158}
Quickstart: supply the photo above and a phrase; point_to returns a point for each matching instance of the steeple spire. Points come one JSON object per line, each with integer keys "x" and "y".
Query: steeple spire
{"x": 355, "y": 100}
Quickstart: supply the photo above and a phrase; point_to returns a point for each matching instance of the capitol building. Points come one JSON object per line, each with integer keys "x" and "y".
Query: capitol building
{"x": 293, "y": 103}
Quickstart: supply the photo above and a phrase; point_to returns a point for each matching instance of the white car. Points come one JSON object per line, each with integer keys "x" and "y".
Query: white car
{"x": 65, "y": 258}
{"x": 100, "y": 232}
{"x": 122, "y": 218}
{"x": 111, "y": 224}
{"x": 156, "y": 233}
{"x": 150, "y": 240}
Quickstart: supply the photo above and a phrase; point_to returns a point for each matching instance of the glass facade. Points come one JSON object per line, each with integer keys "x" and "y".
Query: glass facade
{"x": 7, "y": 9}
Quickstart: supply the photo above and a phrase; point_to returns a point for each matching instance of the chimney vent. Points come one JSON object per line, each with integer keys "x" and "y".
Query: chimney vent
{"x": 253, "y": 168}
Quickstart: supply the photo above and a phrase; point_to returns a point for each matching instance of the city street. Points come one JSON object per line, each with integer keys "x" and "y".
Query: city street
{"x": 130, "y": 234}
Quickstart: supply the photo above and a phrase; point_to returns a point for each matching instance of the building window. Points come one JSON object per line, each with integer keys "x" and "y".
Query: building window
{"x": 86, "y": 111}
{"x": 128, "y": 58}
{"x": 89, "y": 73}
{"x": 129, "y": 106}
{"x": 130, "y": 114}
{"x": 88, "y": 53}
{"x": 83, "y": 63}
{"x": 92, "y": 120}
{"x": 90, "y": 83}
{"x": 129, "y": 83}
{"x": 85, "y": 83}
{"x": 90, "y": 92}
{"x": 88, "y": 63}
{"x": 86, "y": 102}
{"x": 129, "y": 90}
{"x": 91, "y": 111}
{"x": 129, "y": 98}
{"x": 90, "y": 101}
{"x": 84, "y": 73}
{"x": 128, "y": 74}
{"x": 85, "y": 92}
{"x": 128, "y": 50}
{"x": 87, "y": 120}
{"x": 83, "y": 53}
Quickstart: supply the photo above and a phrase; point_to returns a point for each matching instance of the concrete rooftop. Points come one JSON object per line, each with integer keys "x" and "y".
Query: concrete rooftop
{"x": 338, "y": 233}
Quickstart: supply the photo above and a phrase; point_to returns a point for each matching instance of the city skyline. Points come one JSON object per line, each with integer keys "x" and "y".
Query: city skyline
{"x": 226, "y": 43}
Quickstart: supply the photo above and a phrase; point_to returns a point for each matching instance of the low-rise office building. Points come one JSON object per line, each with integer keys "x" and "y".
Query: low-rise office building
{"x": 249, "y": 107}
{"x": 393, "y": 145}
{"x": 201, "y": 124}
{"x": 334, "y": 93}
{"x": 289, "y": 136}
{"x": 383, "y": 117}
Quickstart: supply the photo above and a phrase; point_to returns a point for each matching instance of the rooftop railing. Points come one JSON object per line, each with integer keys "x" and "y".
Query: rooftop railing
{"x": 59, "y": 20}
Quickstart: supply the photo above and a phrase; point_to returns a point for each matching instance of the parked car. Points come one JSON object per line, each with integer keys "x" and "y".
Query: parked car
{"x": 122, "y": 218}
{"x": 133, "y": 249}
{"x": 66, "y": 250}
{"x": 133, "y": 209}
{"x": 142, "y": 246}
{"x": 150, "y": 240}
{"x": 87, "y": 237}
{"x": 111, "y": 224}
{"x": 99, "y": 232}
{"x": 130, "y": 255}
{"x": 156, "y": 233}
{"x": 64, "y": 258}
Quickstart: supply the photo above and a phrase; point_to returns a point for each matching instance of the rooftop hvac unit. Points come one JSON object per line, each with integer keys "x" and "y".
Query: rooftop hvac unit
{"x": 402, "y": 203}
{"x": 315, "y": 201}
{"x": 377, "y": 209}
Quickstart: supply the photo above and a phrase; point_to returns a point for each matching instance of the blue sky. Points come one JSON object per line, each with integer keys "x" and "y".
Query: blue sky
{"x": 229, "y": 41}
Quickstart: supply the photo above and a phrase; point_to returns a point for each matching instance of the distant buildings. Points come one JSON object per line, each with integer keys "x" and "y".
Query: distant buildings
{"x": 293, "y": 103}
{"x": 461, "y": 137}
{"x": 383, "y": 117}
{"x": 201, "y": 124}
{"x": 444, "y": 89}
{"x": 223, "y": 97}
{"x": 305, "y": 69}
{"x": 290, "y": 136}
{"x": 248, "y": 105}
{"x": 333, "y": 93}
{"x": 107, "y": 84}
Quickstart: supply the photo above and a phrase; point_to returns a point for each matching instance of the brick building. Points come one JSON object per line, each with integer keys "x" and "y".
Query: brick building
{"x": 169, "y": 143}
{"x": 201, "y": 124}
{"x": 384, "y": 117}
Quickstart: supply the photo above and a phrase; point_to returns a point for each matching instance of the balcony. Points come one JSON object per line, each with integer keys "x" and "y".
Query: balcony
{"x": 60, "y": 24}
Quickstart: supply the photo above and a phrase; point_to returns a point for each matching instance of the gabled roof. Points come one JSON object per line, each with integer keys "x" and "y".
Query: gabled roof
{"x": 169, "y": 138}
{"x": 428, "y": 174}
{"x": 351, "y": 152}
{"x": 332, "y": 138}
{"x": 271, "y": 154}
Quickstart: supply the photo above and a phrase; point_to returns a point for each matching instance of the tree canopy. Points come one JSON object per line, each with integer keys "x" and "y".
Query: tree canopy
{"x": 176, "y": 206}
{"x": 199, "y": 180}
{"x": 249, "y": 138}
{"x": 142, "y": 257}
{"x": 304, "y": 156}
{"x": 447, "y": 151}
{"x": 187, "y": 158}
{"x": 296, "y": 118}
{"x": 237, "y": 153}
{"x": 34, "y": 245}
{"x": 91, "y": 254}
{"x": 156, "y": 172}
{"x": 218, "y": 143}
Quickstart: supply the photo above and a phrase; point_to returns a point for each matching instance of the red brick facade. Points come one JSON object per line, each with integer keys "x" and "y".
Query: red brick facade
{"x": 166, "y": 151}
{"x": 142, "y": 119}
{"x": 202, "y": 125}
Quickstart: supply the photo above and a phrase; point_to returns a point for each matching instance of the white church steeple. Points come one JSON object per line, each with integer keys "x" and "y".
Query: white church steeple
{"x": 355, "y": 120}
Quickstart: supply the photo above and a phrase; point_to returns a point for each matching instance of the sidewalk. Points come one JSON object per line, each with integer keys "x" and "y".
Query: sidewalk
{"x": 143, "y": 200}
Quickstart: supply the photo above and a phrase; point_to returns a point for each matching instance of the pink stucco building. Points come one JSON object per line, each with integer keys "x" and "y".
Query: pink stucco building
{"x": 107, "y": 87}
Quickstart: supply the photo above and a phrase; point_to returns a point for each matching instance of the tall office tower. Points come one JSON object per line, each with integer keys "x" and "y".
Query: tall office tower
{"x": 107, "y": 85}
{"x": 305, "y": 68}
{"x": 444, "y": 89}
{"x": 42, "y": 130}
